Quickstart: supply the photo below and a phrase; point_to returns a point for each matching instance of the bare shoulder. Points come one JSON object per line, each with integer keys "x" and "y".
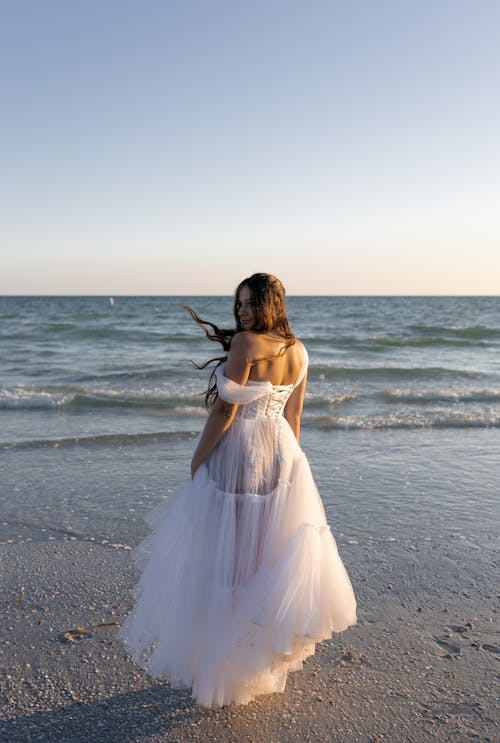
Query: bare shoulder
{"x": 299, "y": 345}
{"x": 299, "y": 351}
{"x": 245, "y": 344}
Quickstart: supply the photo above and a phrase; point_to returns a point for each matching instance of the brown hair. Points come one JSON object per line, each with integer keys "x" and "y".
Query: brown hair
{"x": 268, "y": 304}
{"x": 269, "y": 308}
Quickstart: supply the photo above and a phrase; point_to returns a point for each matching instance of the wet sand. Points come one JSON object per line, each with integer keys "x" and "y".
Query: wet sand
{"x": 420, "y": 664}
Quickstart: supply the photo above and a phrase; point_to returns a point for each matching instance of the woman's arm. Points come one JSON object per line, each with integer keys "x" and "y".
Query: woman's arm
{"x": 220, "y": 418}
{"x": 222, "y": 414}
{"x": 293, "y": 407}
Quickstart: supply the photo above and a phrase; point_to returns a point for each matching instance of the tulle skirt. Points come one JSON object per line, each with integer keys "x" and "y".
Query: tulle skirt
{"x": 237, "y": 587}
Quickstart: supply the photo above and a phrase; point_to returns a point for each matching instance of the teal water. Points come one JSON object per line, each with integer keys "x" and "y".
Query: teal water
{"x": 99, "y": 406}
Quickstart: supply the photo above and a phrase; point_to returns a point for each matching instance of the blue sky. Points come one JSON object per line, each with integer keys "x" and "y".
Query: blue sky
{"x": 174, "y": 147}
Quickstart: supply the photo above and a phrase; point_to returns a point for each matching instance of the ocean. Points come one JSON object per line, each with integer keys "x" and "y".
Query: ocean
{"x": 100, "y": 405}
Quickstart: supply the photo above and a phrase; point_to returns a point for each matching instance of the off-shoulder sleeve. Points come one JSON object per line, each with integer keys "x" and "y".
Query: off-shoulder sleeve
{"x": 303, "y": 371}
{"x": 238, "y": 394}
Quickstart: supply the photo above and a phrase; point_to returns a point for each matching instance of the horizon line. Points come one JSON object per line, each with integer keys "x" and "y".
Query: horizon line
{"x": 188, "y": 294}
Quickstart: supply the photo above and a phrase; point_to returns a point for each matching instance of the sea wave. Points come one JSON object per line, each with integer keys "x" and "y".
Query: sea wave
{"x": 381, "y": 422}
{"x": 320, "y": 423}
{"x": 390, "y": 372}
{"x": 22, "y": 398}
{"x": 381, "y": 343}
{"x": 75, "y": 331}
{"x": 449, "y": 396}
{"x": 472, "y": 332}
{"x": 315, "y": 401}
{"x": 177, "y": 402}
{"x": 113, "y": 439}
{"x": 144, "y": 374}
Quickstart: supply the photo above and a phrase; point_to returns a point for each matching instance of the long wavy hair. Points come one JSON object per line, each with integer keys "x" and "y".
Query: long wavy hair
{"x": 269, "y": 308}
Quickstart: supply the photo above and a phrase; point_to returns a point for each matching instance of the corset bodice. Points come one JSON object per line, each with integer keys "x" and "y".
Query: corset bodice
{"x": 270, "y": 405}
{"x": 257, "y": 399}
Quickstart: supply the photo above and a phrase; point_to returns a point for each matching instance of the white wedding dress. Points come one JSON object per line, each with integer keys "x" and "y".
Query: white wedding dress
{"x": 242, "y": 575}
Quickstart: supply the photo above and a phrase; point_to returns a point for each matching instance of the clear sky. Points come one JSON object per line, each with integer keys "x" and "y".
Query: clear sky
{"x": 176, "y": 146}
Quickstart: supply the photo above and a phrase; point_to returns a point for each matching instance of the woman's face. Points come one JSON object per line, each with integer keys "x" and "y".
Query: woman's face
{"x": 244, "y": 307}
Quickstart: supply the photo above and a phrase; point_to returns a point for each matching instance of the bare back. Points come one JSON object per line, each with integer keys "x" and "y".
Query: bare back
{"x": 273, "y": 362}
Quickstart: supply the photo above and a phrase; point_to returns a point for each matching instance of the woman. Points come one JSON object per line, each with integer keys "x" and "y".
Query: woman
{"x": 243, "y": 576}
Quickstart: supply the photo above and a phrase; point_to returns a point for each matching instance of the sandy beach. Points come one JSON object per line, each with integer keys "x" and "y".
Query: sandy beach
{"x": 420, "y": 664}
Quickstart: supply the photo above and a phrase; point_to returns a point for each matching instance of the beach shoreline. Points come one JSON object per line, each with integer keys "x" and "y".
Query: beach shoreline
{"x": 419, "y": 665}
